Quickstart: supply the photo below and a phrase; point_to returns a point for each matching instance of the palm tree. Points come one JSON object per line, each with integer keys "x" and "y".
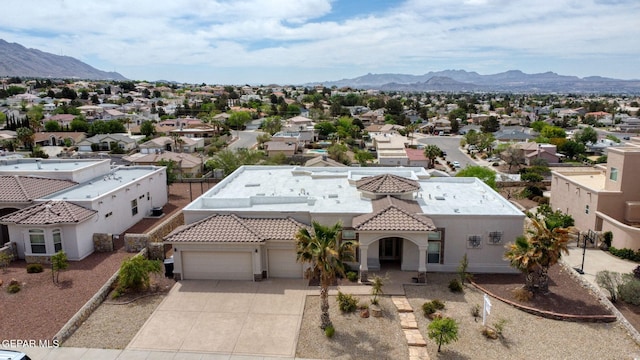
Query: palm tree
{"x": 326, "y": 253}
{"x": 537, "y": 251}
{"x": 432, "y": 152}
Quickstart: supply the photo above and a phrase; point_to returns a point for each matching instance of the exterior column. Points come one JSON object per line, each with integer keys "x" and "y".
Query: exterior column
{"x": 422, "y": 264}
{"x": 364, "y": 267}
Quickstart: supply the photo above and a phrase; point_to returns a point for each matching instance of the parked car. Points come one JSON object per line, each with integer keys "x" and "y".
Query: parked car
{"x": 626, "y": 138}
{"x": 456, "y": 164}
{"x": 13, "y": 355}
{"x": 493, "y": 159}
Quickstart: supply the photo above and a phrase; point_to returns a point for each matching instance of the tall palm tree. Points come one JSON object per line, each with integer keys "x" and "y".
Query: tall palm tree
{"x": 432, "y": 152}
{"x": 326, "y": 253}
{"x": 536, "y": 251}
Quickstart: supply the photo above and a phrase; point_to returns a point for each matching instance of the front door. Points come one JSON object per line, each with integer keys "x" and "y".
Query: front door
{"x": 390, "y": 249}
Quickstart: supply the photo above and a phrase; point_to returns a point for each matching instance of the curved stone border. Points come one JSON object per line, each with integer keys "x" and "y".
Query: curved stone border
{"x": 604, "y": 300}
{"x": 551, "y": 314}
{"x": 89, "y": 307}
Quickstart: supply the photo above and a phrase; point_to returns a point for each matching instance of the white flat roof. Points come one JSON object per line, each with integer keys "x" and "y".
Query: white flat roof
{"x": 332, "y": 190}
{"x": 36, "y": 166}
{"x": 120, "y": 177}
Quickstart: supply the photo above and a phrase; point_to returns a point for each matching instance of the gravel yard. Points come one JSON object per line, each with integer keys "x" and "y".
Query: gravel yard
{"x": 355, "y": 337}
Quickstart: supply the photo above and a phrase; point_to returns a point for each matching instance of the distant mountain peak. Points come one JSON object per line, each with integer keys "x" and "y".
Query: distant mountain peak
{"x": 17, "y": 60}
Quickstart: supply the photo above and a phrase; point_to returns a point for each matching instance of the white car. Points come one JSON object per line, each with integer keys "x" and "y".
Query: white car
{"x": 456, "y": 164}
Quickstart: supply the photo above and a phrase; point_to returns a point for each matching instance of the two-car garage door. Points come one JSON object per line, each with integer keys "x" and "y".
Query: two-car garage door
{"x": 222, "y": 265}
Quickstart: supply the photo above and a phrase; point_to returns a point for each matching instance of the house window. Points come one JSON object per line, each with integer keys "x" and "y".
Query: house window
{"x": 474, "y": 241}
{"x": 613, "y": 176}
{"x": 57, "y": 240}
{"x": 436, "y": 235}
{"x": 495, "y": 237}
{"x": 348, "y": 234}
{"x": 36, "y": 238}
{"x": 134, "y": 207}
{"x": 433, "y": 252}
{"x": 586, "y": 209}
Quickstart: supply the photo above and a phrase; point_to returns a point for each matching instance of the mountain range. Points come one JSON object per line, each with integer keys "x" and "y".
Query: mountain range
{"x": 509, "y": 81}
{"x": 16, "y": 60}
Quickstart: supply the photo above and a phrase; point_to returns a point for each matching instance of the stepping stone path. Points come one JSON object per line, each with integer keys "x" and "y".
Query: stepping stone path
{"x": 415, "y": 340}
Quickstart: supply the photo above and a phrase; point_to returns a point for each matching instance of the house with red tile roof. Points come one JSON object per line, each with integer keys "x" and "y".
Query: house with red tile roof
{"x": 52, "y": 205}
{"x": 402, "y": 217}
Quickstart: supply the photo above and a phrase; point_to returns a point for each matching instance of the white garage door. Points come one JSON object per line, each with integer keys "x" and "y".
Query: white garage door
{"x": 282, "y": 264}
{"x": 217, "y": 265}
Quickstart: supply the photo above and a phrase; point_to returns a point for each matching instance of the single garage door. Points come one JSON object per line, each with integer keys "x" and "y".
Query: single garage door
{"x": 283, "y": 264}
{"x": 203, "y": 265}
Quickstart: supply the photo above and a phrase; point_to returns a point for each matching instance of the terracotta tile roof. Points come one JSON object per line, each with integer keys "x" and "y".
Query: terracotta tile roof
{"x": 50, "y": 212}
{"x": 391, "y": 214}
{"x": 387, "y": 184}
{"x": 234, "y": 229}
{"x": 28, "y": 188}
{"x": 415, "y": 154}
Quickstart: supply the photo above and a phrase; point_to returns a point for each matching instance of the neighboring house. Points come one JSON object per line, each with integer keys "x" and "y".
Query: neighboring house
{"x": 416, "y": 158}
{"x": 63, "y": 119}
{"x": 167, "y": 143}
{"x": 18, "y": 192}
{"x": 104, "y": 142}
{"x": 106, "y": 200}
{"x": 604, "y": 198}
{"x": 244, "y": 227}
{"x": 323, "y": 161}
{"x": 515, "y": 133}
{"x": 58, "y": 138}
{"x": 273, "y": 148}
{"x": 390, "y": 149}
{"x": 532, "y": 151}
{"x": 188, "y": 165}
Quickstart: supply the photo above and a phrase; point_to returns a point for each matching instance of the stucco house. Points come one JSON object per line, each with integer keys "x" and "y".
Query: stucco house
{"x": 103, "y": 199}
{"x": 603, "y": 198}
{"x": 244, "y": 227}
{"x": 166, "y": 143}
{"x": 104, "y": 142}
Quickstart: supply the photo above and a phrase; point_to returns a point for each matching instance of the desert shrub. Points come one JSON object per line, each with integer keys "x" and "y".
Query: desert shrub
{"x": 59, "y": 262}
{"x": 329, "y": 331}
{"x": 522, "y": 294}
{"x": 428, "y": 308}
{"x": 134, "y": 273}
{"x": 455, "y": 285}
{"x": 5, "y": 260}
{"x": 13, "y": 288}
{"x": 475, "y": 311}
{"x": 636, "y": 272}
{"x": 499, "y": 326}
{"x": 346, "y": 302}
{"x": 625, "y": 253}
{"x": 629, "y": 291}
{"x": 443, "y": 331}
{"x": 438, "y": 304}
{"x": 610, "y": 281}
{"x": 34, "y": 268}
{"x": 352, "y": 276}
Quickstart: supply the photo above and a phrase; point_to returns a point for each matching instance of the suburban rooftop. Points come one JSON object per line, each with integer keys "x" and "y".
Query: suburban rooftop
{"x": 287, "y": 189}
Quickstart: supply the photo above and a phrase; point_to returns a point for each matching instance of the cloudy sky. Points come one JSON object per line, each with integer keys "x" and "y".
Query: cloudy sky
{"x": 300, "y": 41}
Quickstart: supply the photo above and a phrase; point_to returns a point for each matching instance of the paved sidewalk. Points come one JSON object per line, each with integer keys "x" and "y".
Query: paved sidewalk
{"x": 596, "y": 260}
{"x": 67, "y": 353}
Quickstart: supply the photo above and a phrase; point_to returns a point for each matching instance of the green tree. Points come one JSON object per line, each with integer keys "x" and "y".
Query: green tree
{"x": 338, "y": 152}
{"x": 553, "y": 132}
{"x": 238, "y": 120}
{"x": 59, "y": 262}
{"x": 487, "y": 175}
{"x": 326, "y": 254}
{"x": 394, "y": 107}
{"x": 79, "y": 125}
{"x": 171, "y": 166}
{"x": 587, "y": 135}
{"x": 325, "y": 128}
{"x": 432, "y": 152}
{"x": 536, "y": 251}
{"x": 471, "y": 137}
{"x": 513, "y": 157}
{"x": 230, "y": 160}
{"x": 490, "y": 125}
{"x": 572, "y": 149}
{"x": 538, "y": 126}
{"x": 51, "y": 126}
{"x": 134, "y": 274}
{"x": 363, "y": 157}
{"x": 147, "y": 128}
{"x": 26, "y": 136}
{"x": 271, "y": 125}
{"x": 443, "y": 331}
{"x": 35, "y": 115}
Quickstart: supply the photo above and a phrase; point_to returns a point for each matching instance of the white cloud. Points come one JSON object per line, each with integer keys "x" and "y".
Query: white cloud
{"x": 415, "y": 34}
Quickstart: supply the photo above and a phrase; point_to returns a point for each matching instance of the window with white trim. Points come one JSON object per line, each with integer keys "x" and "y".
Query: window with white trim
{"x": 474, "y": 241}
{"x": 36, "y": 240}
{"x": 613, "y": 175}
{"x": 433, "y": 252}
{"x": 586, "y": 209}
{"x": 495, "y": 237}
{"x": 57, "y": 240}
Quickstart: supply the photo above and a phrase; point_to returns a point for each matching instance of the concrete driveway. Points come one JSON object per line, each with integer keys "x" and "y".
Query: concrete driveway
{"x": 230, "y": 317}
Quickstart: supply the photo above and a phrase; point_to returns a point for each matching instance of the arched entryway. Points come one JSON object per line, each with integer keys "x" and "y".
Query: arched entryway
{"x": 390, "y": 252}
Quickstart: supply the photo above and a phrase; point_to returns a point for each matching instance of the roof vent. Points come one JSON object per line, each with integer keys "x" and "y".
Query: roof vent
{"x": 456, "y": 211}
{"x": 332, "y": 196}
{"x": 439, "y": 197}
{"x": 252, "y": 185}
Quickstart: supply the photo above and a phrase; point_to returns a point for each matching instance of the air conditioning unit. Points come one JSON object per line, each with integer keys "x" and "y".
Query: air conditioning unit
{"x": 632, "y": 211}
